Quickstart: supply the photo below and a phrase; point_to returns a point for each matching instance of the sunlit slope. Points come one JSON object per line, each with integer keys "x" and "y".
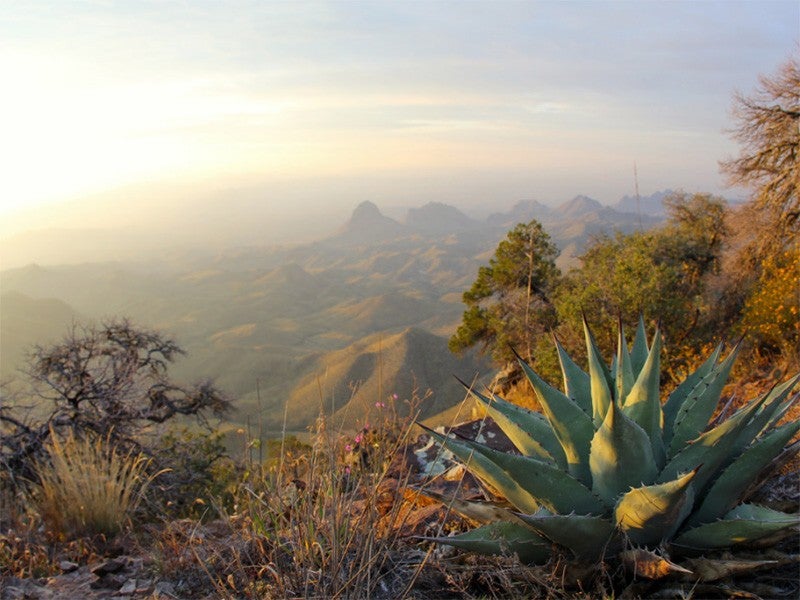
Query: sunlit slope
{"x": 349, "y": 382}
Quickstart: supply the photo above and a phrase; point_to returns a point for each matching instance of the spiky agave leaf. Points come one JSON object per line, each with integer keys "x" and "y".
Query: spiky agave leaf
{"x": 572, "y": 426}
{"x": 502, "y": 538}
{"x": 547, "y": 485}
{"x": 746, "y": 523}
{"x": 488, "y": 471}
{"x": 621, "y": 456}
{"x": 650, "y": 514}
{"x": 726, "y": 491}
{"x": 696, "y": 410}
{"x": 679, "y": 395}
{"x": 577, "y": 385}
{"x": 600, "y": 378}
{"x": 643, "y": 404}
{"x": 639, "y": 350}
{"x": 482, "y": 512}
{"x": 587, "y": 536}
{"x": 528, "y": 431}
{"x": 712, "y": 450}
{"x": 624, "y": 377}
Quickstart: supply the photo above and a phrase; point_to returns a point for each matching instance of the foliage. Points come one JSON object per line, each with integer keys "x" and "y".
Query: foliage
{"x": 86, "y": 487}
{"x": 509, "y": 302}
{"x": 607, "y": 467}
{"x": 769, "y": 132}
{"x": 662, "y": 272}
{"x": 110, "y": 381}
{"x": 772, "y": 310}
{"x": 197, "y": 477}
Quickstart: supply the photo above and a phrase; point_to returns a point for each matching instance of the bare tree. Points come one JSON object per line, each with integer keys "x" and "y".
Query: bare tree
{"x": 112, "y": 381}
{"x": 769, "y": 133}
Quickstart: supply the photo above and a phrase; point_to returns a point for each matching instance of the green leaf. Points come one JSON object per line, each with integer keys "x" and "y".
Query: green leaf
{"x": 502, "y": 539}
{"x": 694, "y": 414}
{"x": 576, "y": 381}
{"x": 624, "y": 378}
{"x": 770, "y": 412}
{"x": 529, "y": 431}
{"x": 572, "y": 426}
{"x": 554, "y": 489}
{"x": 586, "y": 536}
{"x": 621, "y": 456}
{"x": 744, "y": 524}
{"x": 711, "y": 450}
{"x": 737, "y": 477}
{"x": 600, "y": 378}
{"x": 639, "y": 350}
{"x": 650, "y": 514}
{"x": 681, "y": 393}
{"x": 487, "y": 471}
{"x": 643, "y": 403}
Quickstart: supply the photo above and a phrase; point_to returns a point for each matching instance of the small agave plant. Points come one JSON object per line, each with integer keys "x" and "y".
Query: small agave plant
{"x": 607, "y": 467}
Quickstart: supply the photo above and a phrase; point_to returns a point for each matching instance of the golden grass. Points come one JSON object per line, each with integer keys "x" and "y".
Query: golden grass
{"x": 87, "y": 487}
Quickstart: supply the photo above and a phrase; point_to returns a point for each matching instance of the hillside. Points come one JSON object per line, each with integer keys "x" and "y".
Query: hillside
{"x": 283, "y": 319}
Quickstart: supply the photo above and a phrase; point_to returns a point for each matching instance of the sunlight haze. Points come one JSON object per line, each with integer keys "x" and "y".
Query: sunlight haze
{"x": 326, "y": 104}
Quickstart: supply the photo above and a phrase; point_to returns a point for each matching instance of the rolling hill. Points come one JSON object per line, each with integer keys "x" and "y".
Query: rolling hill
{"x": 363, "y": 312}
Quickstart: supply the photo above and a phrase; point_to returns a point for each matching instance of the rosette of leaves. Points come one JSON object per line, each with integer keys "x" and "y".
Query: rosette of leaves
{"x": 606, "y": 467}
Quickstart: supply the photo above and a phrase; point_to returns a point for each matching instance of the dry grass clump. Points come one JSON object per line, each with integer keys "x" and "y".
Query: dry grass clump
{"x": 85, "y": 487}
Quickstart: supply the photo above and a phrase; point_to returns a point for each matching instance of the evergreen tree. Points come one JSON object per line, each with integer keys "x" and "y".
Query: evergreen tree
{"x": 509, "y": 304}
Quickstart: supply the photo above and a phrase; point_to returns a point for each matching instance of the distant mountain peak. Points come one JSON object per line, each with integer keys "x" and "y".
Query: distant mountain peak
{"x": 437, "y": 216}
{"x": 580, "y": 205}
{"x": 366, "y": 211}
{"x": 368, "y": 223}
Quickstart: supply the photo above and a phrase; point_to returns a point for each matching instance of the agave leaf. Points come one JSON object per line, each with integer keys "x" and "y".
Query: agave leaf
{"x": 639, "y": 350}
{"x": 621, "y": 456}
{"x": 543, "y": 483}
{"x": 624, "y": 378}
{"x": 553, "y": 488}
{"x": 694, "y": 414}
{"x": 529, "y": 431}
{"x": 572, "y": 426}
{"x": 653, "y": 513}
{"x": 646, "y": 563}
{"x": 576, "y": 381}
{"x": 586, "y": 536}
{"x": 744, "y": 524}
{"x": 482, "y": 512}
{"x": 599, "y": 377}
{"x": 709, "y": 569}
{"x": 726, "y": 490}
{"x": 681, "y": 393}
{"x": 773, "y": 409}
{"x": 504, "y": 539}
{"x": 711, "y": 450}
{"x": 488, "y": 471}
{"x": 643, "y": 404}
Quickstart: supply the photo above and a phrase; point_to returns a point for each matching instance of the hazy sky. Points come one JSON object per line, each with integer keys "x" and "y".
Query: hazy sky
{"x": 482, "y": 101}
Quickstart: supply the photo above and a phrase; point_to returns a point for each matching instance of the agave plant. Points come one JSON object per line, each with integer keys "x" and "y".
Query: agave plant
{"x": 607, "y": 467}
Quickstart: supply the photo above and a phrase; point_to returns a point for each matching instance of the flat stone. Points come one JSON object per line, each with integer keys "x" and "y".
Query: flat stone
{"x": 108, "y": 566}
{"x": 67, "y": 566}
{"x": 164, "y": 589}
{"x": 129, "y": 587}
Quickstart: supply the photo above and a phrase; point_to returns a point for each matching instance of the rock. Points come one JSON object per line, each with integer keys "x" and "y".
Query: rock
{"x": 164, "y": 589}
{"x": 129, "y": 587}
{"x": 67, "y": 566}
{"x": 108, "y": 566}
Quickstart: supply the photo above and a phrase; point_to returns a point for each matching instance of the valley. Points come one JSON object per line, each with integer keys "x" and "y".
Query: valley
{"x": 337, "y": 324}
